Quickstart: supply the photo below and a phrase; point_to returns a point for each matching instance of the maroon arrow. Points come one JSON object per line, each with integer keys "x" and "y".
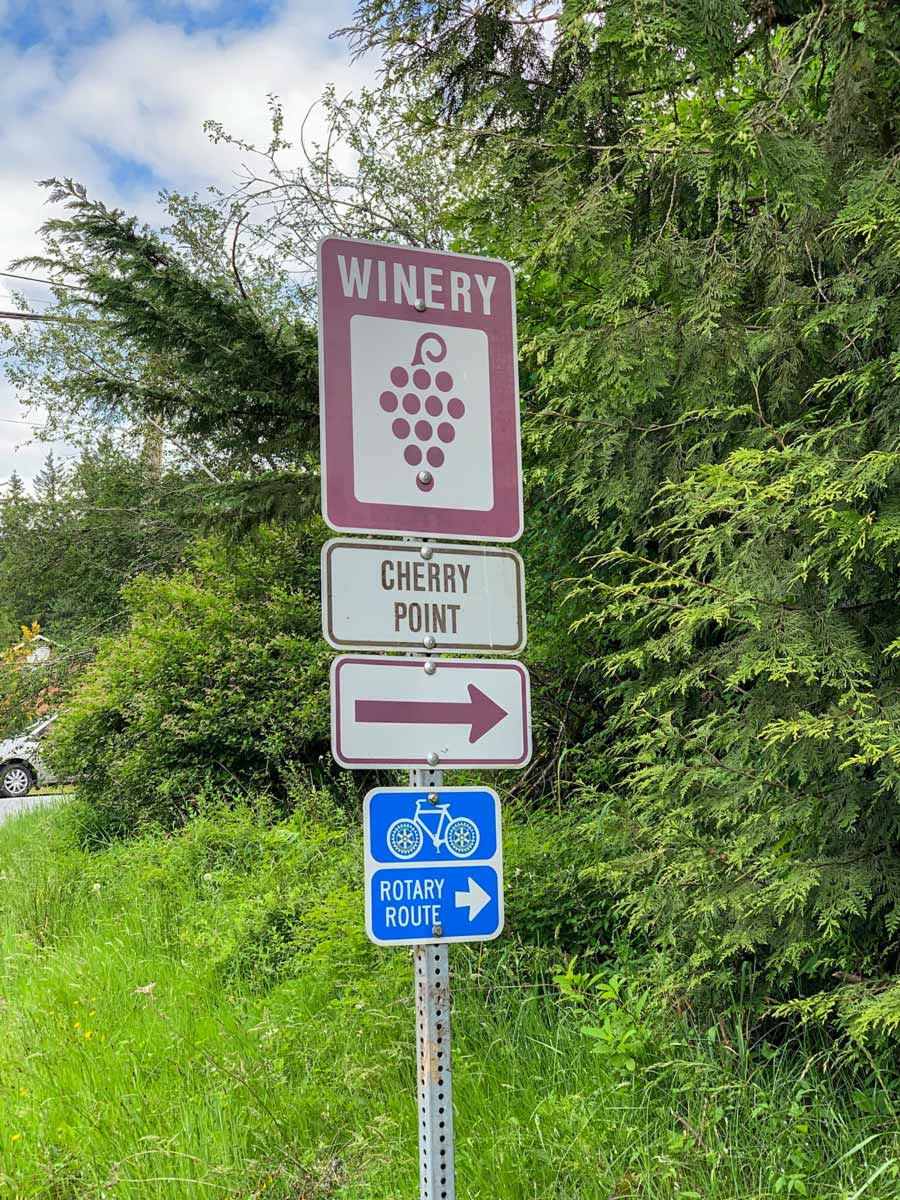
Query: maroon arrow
{"x": 479, "y": 711}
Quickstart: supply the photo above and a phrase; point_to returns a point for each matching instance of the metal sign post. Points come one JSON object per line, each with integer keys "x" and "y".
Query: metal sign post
{"x": 419, "y": 405}
{"x": 434, "y": 1075}
{"x": 434, "y": 875}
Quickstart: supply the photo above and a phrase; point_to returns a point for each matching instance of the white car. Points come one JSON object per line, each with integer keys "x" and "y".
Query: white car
{"x": 21, "y": 765}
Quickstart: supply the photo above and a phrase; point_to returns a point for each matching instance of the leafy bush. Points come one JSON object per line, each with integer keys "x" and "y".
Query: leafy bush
{"x": 758, "y": 728}
{"x": 219, "y": 685}
{"x": 23, "y": 691}
{"x": 253, "y": 897}
{"x": 554, "y": 897}
{"x": 88, "y": 527}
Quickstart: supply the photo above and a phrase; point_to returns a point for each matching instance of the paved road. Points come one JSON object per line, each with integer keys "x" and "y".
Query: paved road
{"x": 9, "y": 807}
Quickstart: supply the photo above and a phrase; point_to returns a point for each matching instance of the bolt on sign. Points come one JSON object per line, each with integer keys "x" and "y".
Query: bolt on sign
{"x": 380, "y": 595}
{"x": 419, "y": 392}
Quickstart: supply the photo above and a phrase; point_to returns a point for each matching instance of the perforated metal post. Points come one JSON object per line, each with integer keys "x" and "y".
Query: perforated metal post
{"x": 435, "y": 1081}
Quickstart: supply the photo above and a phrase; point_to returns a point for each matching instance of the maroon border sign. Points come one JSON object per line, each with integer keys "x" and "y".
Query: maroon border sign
{"x": 390, "y": 712}
{"x": 419, "y": 392}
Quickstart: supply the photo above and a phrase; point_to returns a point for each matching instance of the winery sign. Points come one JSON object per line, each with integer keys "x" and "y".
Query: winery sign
{"x": 419, "y": 393}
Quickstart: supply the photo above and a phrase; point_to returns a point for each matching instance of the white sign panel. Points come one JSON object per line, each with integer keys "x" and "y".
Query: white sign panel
{"x": 386, "y": 452}
{"x": 407, "y": 712}
{"x": 383, "y": 595}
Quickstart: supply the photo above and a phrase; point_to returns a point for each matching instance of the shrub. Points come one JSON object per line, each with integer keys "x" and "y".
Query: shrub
{"x": 218, "y": 686}
{"x": 755, "y": 819}
{"x": 255, "y": 898}
{"x": 553, "y": 896}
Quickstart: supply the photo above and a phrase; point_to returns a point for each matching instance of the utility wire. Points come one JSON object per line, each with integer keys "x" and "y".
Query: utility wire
{"x": 52, "y": 282}
{"x": 31, "y": 299}
{"x": 149, "y": 420}
{"x": 16, "y": 316}
{"x": 11, "y": 316}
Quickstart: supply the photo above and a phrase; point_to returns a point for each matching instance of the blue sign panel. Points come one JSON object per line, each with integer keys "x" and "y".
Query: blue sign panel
{"x": 434, "y": 869}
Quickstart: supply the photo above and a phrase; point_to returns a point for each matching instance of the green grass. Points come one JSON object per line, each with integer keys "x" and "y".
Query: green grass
{"x": 273, "y": 1055}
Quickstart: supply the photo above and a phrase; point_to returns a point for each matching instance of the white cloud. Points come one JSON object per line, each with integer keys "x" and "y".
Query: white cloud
{"x": 142, "y": 93}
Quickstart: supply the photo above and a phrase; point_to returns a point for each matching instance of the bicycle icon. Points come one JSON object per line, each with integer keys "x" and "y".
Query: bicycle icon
{"x": 459, "y": 834}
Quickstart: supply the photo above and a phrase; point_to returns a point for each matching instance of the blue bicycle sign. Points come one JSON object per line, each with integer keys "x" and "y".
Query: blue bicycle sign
{"x": 434, "y": 865}
{"x": 459, "y": 834}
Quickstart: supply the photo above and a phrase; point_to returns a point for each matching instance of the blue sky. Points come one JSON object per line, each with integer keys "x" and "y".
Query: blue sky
{"x": 115, "y": 93}
{"x": 64, "y": 25}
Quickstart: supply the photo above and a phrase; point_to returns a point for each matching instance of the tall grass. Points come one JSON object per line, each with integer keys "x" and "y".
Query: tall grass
{"x": 200, "y": 1016}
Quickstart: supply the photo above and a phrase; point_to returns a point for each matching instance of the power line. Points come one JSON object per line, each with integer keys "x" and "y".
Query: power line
{"x": 52, "y": 282}
{"x": 31, "y": 299}
{"x": 17, "y": 316}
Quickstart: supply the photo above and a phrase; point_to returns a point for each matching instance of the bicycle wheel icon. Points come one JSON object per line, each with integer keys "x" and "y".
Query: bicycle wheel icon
{"x": 462, "y": 837}
{"x": 404, "y": 838}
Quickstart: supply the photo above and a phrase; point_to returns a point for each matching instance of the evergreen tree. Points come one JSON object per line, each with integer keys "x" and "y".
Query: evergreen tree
{"x": 13, "y": 508}
{"x": 66, "y": 550}
{"x": 702, "y": 203}
{"x": 207, "y": 327}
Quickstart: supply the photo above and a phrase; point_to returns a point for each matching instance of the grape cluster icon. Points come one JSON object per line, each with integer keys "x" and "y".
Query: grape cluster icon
{"x": 423, "y": 410}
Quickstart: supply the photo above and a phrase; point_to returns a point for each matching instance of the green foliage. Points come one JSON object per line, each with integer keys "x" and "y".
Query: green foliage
{"x": 757, "y": 730}
{"x": 702, "y": 205}
{"x": 67, "y": 549}
{"x": 554, "y": 897}
{"x": 209, "y": 364}
{"x": 219, "y": 683}
{"x": 267, "y": 899}
{"x": 140, "y": 971}
{"x": 27, "y": 690}
{"x": 621, "y": 1019}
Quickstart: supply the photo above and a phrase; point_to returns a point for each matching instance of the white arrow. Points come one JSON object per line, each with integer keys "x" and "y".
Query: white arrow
{"x": 475, "y": 899}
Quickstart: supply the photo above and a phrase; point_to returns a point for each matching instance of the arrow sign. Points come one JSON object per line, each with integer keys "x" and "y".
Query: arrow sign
{"x": 474, "y": 898}
{"x": 480, "y": 713}
{"x": 408, "y": 712}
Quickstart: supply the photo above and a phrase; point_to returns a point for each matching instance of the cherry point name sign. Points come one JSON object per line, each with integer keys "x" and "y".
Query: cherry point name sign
{"x": 419, "y": 392}
{"x": 380, "y": 595}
